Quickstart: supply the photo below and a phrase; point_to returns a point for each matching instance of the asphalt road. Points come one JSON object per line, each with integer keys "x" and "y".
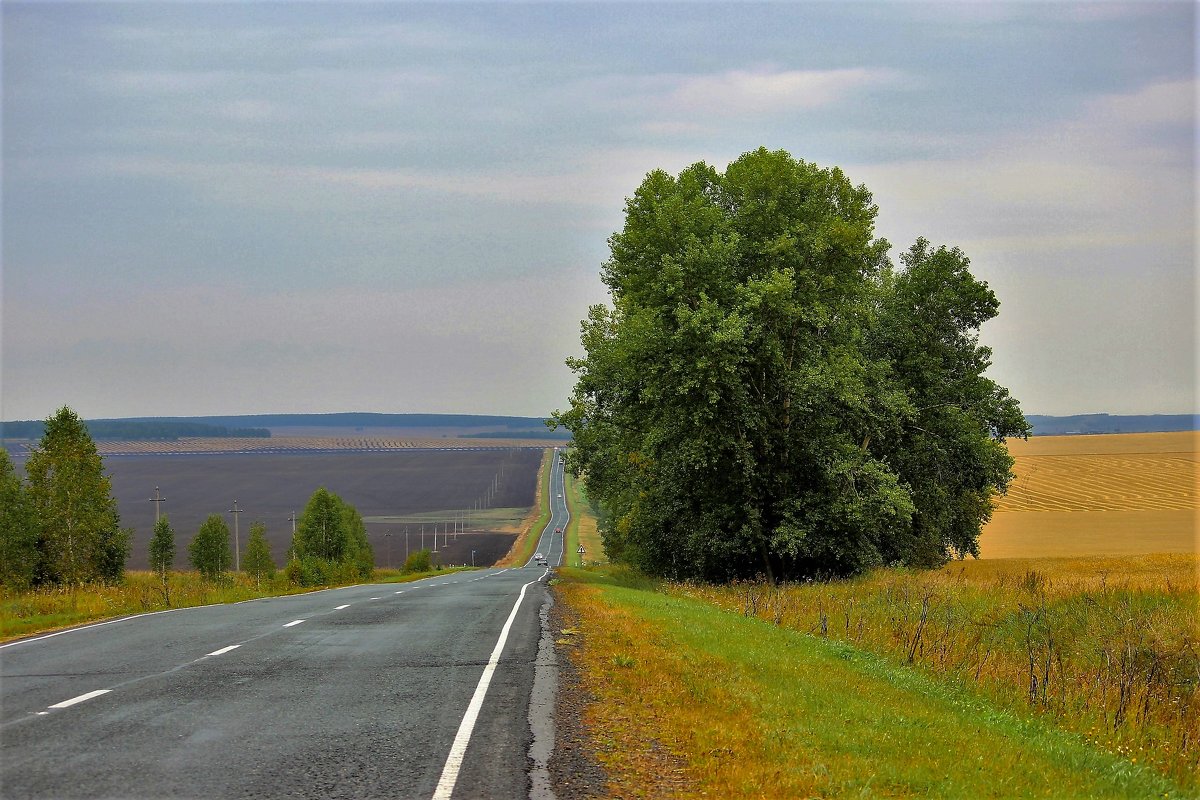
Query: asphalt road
{"x": 353, "y": 692}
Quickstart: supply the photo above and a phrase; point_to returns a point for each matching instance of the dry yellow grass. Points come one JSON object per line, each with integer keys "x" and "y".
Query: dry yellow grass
{"x": 1117, "y": 494}
{"x": 1102, "y": 646}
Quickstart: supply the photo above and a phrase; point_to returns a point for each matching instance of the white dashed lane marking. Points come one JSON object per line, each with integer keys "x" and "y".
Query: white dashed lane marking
{"x": 293, "y": 622}
{"x": 80, "y": 699}
{"x": 224, "y": 650}
{"x": 339, "y": 608}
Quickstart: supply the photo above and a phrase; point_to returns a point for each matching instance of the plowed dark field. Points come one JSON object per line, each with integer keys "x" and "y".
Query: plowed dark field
{"x": 271, "y": 486}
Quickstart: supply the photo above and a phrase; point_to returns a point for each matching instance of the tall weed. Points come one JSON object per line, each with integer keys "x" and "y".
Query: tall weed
{"x": 1105, "y": 647}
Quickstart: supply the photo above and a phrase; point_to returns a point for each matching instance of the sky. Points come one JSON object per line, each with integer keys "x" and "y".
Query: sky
{"x": 237, "y": 208}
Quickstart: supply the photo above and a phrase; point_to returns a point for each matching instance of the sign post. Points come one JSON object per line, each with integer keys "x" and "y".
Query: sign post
{"x": 581, "y": 552}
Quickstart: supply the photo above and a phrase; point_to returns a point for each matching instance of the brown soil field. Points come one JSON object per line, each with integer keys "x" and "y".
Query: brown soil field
{"x": 1115, "y": 494}
{"x": 270, "y": 486}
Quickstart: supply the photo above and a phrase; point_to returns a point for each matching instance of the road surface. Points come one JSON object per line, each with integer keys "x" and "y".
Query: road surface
{"x": 414, "y": 690}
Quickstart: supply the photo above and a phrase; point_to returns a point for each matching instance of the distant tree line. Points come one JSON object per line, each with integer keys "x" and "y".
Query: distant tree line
{"x": 137, "y": 430}
{"x": 360, "y": 419}
{"x": 558, "y": 436}
{"x": 770, "y": 394}
{"x": 60, "y": 526}
{"x": 1113, "y": 423}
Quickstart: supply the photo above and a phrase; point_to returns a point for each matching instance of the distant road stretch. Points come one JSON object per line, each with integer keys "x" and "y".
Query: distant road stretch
{"x": 386, "y": 690}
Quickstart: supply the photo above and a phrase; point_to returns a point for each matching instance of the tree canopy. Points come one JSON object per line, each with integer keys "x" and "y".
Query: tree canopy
{"x": 162, "y": 546}
{"x": 70, "y": 498}
{"x": 332, "y": 531}
{"x": 259, "y": 563}
{"x": 768, "y": 393}
{"x": 210, "y": 551}
{"x": 18, "y": 538}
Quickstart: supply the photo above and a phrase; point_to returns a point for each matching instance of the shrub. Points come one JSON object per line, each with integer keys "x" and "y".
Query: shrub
{"x": 417, "y": 562}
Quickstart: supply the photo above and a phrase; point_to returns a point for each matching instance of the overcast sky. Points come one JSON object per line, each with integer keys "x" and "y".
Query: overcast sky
{"x": 244, "y": 208}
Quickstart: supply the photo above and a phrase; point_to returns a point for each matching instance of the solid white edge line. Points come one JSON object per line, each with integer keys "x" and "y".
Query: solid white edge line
{"x": 458, "y": 749}
{"x": 90, "y": 625}
{"x": 80, "y": 699}
{"x": 293, "y": 622}
{"x": 224, "y": 650}
{"x": 97, "y": 625}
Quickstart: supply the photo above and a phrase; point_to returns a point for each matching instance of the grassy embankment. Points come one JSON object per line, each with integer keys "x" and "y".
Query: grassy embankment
{"x": 1090, "y": 658}
{"x": 582, "y": 527}
{"x": 26, "y": 613}
{"x": 696, "y": 694}
{"x": 535, "y": 521}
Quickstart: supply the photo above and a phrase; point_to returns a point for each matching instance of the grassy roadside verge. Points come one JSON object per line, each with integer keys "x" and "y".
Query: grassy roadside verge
{"x": 532, "y": 527}
{"x": 694, "y": 701}
{"x": 582, "y": 527}
{"x": 28, "y": 613}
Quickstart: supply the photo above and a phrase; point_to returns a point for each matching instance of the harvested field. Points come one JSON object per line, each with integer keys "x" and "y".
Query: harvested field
{"x": 269, "y": 487}
{"x": 1116, "y": 494}
{"x": 292, "y": 444}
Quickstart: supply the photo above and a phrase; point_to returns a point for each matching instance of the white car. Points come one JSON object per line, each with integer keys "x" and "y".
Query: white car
{"x": 539, "y": 559}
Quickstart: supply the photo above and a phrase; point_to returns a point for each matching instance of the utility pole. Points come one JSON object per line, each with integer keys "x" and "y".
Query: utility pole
{"x": 292, "y": 519}
{"x": 237, "y": 549}
{"x": 388, "y": 538}
{"x": 158, "y": 500}
{"x": 405, "y": 544}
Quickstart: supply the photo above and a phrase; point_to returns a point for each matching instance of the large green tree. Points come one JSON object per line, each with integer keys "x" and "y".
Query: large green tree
{"x": 748, "y": 404}
{"x": 18, "y": 537}
{"x": 79, "y": 533}
{"x": 209, "y": 551}
{"x": 332, "y": 531}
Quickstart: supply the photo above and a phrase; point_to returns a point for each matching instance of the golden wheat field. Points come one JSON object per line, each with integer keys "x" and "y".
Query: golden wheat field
{"x": 1114, "y": 494}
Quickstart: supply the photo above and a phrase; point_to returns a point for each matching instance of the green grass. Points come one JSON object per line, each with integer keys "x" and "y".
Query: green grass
{"x": 1104, "y": 647}
{"x": 747, "y": 708}
{"x": 27, "y": 613}
{"x": 574, "y": 511}
{"x": 524, "y": 548}
{"x": 487, "y": 519}
{"x": 582, "y": 527}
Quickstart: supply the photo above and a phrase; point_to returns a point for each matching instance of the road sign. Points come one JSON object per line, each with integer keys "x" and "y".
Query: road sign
{"x": 580, "y": 549}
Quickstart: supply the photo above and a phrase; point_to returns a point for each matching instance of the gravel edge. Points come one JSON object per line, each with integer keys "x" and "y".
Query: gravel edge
{"x": 575, "y": 774}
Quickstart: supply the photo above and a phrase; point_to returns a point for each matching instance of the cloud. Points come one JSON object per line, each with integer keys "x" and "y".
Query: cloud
{"x": 1163, "y": 103}
{"x": 203, "y": 349}
{"x": 764, "y": 90}
{"x": 1085, "y": 229}
{"x": 1098, "y": 174}
{"x": 598, "y": 178}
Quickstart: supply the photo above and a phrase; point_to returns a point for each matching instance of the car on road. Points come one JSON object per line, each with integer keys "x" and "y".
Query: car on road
{"x": 539, "y": 559}
{"x": 558, "y": 530}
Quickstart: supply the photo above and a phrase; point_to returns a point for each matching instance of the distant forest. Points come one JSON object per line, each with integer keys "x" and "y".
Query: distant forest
{"x": 259, "y": 425}
{"x": 373, "y": 420}
{"x": 138, "y": 430}
{"x": 1110, "y": 423}
{"x": 172, "y": 428}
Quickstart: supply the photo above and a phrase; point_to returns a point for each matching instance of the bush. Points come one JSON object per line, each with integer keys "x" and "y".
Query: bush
{"x": 310, "y": 571}
{"x": 417, "y": 562}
